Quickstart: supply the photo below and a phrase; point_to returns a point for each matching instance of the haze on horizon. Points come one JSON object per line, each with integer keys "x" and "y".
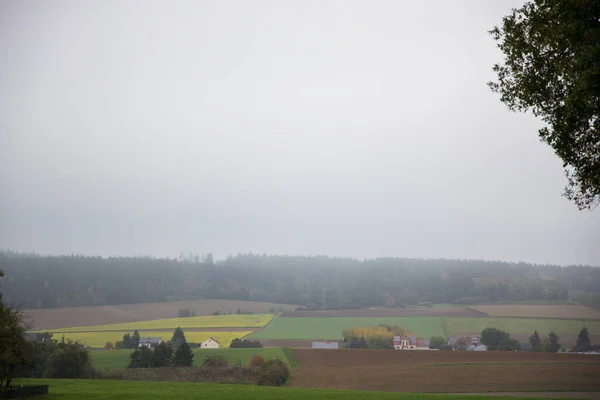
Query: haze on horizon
{"x": 347, "y": 128}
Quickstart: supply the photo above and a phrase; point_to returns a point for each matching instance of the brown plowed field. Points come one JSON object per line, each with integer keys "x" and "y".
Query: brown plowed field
{"x": 434, "y": 371}
{"x": 101, "y": 315}
{"x": 345, "y": 357}
{"x": 390, "y": 312}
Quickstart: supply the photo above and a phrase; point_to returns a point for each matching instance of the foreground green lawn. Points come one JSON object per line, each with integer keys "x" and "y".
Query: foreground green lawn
{"x": 108, "y": 360}
{"x": 68, "y": 389}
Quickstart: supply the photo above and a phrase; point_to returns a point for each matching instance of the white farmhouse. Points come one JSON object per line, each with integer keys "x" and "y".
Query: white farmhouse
{"x": 149, "y": 342}
{"x": 210, "y": 344}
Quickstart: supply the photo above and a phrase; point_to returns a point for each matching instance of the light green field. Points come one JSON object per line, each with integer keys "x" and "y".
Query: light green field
{"x": 99, "y": 339}
{"x": 331, "y": 328}
{"x": 214, "y": 321}
{"x": 110, "y": 360}
{"x": 523, "y": 325}
{"x": 71, "y": 389}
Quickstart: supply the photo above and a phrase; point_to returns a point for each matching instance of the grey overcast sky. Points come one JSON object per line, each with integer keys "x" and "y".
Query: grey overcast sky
{"x": 347, "y": 128}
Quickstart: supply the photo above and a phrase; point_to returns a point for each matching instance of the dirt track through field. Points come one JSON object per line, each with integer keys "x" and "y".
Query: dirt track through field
{"x": 434, "y": 371}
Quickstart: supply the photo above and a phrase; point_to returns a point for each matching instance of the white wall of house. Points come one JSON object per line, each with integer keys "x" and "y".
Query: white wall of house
{"x": 210, "y": 344}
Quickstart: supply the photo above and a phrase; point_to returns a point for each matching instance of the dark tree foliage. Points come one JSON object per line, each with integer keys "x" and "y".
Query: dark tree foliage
{"x": 551, "y": 50}
{"x": 357, "y": 343}
{"x": 553, "y": 344}
{"x": 436, "y": 341}
{"x": 583, "y": 340}
{"x": 14, "y": 348}
{"x": 321, "y": 282}
{"x": 274, "y": 373}
{"x": 509, "y": 344}
{"x": 217, "y": 361}
{"x": 495, "y": 339}
{"x": 141, "y": 358}
{"x": 535, "y": 341}
{"x": 69, "y": 360}
{"x": 162, "y": 356}
{"x": 183, "y": 357}
{"x": 245, "y": 344}
{"x": 178, "y": 337}
{"x": 135, "y": 339}
{"x": 129, "y": 341}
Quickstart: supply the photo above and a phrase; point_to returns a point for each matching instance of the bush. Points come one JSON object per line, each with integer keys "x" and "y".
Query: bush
{"x": 245, "y": 344}
{"x": 109, "y": 346}
{"x": 184, "y": 313}
{"x": 257, "y": 361}
{"x": 436, "y": 341}
{"x": 69, "y": 360}
{"x": 445, "y": 347}
{"x": 274, "y": 373}
{"x": 215, "y": 362}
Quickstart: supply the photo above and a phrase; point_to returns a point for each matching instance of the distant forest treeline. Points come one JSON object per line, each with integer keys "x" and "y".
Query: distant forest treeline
{"x": 314, "y": 282}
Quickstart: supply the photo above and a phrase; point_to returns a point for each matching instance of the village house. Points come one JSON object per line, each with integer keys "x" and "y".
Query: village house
{"x": 150, "y": 342}
{"x": 210, "y": 344}
{"x": 410, "y": 343}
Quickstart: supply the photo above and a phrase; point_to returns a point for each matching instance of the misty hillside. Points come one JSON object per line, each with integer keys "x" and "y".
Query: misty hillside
{"x": 314, "y": 282}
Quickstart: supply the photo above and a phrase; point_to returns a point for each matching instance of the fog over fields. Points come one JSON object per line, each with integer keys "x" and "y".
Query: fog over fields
{"x": 355, "y": 129}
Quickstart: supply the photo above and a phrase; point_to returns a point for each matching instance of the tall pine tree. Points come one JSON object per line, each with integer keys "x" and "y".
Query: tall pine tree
{"x": 583, "y": 340}
{"x": 554, "y": 346}
{"x": 178, "y": 337}
{"x": 535, "y": 341}
{"x": 184, "y": 357}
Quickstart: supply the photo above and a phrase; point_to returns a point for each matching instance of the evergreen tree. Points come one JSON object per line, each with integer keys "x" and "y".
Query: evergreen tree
{"x": 554, "y": 346}
{"x": 141, "y": 358}
{"x": 583, "y": 340}
{"x": 162, "y": 355}
{"x": 535, "y": 341}
{"x": 178, "y": 337}
{"x": 135, "y": 339}
{"x": 127, "y": 341}
{"x": 184, "y": 357}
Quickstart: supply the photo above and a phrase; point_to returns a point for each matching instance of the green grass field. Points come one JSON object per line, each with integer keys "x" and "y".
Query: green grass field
{"x": 70, "y": 389}
{"x": 523, "y": 325}
{"x": 110, "y": 360}
{"x": 99, "y": 339}
{"x": 331, "y": 328}
{"x": 214, "y": 321}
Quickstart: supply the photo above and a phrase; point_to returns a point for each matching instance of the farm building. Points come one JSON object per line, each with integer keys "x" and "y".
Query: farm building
{"x": 474, "y": 346}
{"x": 410, "y": 343}
{"x": 325, "y": 345}
{"x": 210, "y": 344}
{"x": 150, "y": 342}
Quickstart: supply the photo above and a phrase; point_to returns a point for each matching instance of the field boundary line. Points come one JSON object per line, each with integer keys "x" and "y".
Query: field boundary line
{"x": 272, "y": 320}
